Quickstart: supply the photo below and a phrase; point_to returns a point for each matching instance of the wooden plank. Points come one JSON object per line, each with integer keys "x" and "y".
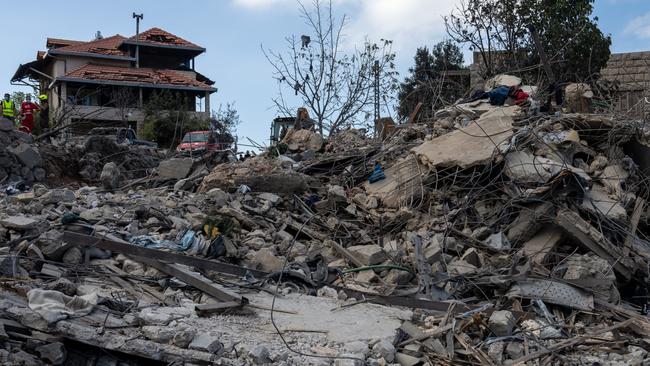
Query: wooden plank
{"x": 131, "y": 249}
{"x": 216, "y": 308}
{"x": 150, "y": 290}
{"x": 639, "y": 205}
{"x": 570, "y": 342}
{"x": 345, "y": 253}
{"x": 196, "y": 280}
{"x": 594, "y": 240}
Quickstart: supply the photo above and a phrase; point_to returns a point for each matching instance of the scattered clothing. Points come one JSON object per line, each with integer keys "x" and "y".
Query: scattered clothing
{"x": 54, "y": 305}
{"x": 499, "y": 95}
{"x": 243, "y": 189}
{"x": 377, "y": 174}
{"x": 150, "y": 242}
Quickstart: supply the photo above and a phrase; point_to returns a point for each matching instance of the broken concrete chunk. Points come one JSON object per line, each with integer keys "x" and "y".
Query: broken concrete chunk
{"x": 26, "y": 154}
{"x": 502, "y": 80}
{"x": 6, "y": 125}
{"x": 444, "y": 151}
{"x": 501, "y": 323}
{"x": 73, "y": 255}
{"x": 600, "y": 278}
{"x": 529, "y": 221}
{"x": 498, "y": 241}
{"x": 613, "y": 178}
{"x": 337, "y": 194}
{"x": 385, "y": 349}
{"x": 183, "y": 337}
{"x": 159, "y": 334}
{"x": 541, "y": 329}
{"x": 266, "y": 260}
{"x": 398, "y": 277}
{"x": 206, "y": 342}
{"x": 368, "y": 254}
{"x": 472, "y": 257}
{"x": 163, "y": 315}
{"x": 538, "y": 247}
{"x": 301, "y": 140}
{"x": 460, "y": 268}
{"x": 18, "y": 222}
{"x": 53, "y": 353}
{"x": 273, "y": 198}
{"x": 495, "y": 351}
{"x": 110, "y": 176}
{"x": 259, "y": 355}
{"x": 406, "y": 360}
{"x": 598, "y": 201}
{"x": 524, "y": 167}
{"x": 175, "y": 168}
{"x": 57, "y": 196}
{"x": 515, "y": 350}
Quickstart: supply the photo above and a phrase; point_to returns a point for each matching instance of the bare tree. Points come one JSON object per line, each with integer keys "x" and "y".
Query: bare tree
{"x": 487, "y": 26}
{"x": 336, "y": 87}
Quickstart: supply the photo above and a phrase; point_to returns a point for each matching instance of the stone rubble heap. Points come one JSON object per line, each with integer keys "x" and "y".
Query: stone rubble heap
{"x": 499, "y": 236}
{"x": 20, "y": 160}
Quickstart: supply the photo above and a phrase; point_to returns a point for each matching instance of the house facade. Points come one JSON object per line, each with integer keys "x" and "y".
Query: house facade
{"x": 108, "y": 81}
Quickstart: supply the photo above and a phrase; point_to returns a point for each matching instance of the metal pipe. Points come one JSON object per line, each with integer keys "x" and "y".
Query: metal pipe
{"x": 137, "y": 38}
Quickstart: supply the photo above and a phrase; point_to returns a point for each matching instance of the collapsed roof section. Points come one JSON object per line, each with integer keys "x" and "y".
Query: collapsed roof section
{"x": 140, "y": 77}
{"x": 156, "y": 37}
{"x": 105, "y": 47}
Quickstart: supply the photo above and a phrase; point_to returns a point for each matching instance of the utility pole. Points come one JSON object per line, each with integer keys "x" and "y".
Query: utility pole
{"x": 137, "y": 18}
{"x": 376, "y": 69}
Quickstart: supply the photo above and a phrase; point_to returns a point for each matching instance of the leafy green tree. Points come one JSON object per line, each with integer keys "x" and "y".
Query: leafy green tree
{"x": 428, "y": 82}
{"x": 577, "y": 48}
{"x": 226, "y": 118}
{"x": 499, "y": 31}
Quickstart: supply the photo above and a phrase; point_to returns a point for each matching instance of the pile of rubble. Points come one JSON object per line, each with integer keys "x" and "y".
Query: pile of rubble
{"x": 20, "y": 160}
{"x": 498, "y": 235}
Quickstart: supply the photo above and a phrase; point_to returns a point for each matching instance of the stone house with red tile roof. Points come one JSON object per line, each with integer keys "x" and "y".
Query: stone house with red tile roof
{"x": 98, "y": 82}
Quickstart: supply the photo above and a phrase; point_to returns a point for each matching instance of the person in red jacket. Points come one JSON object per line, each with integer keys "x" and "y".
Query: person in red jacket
{"x": 27, "y": 109}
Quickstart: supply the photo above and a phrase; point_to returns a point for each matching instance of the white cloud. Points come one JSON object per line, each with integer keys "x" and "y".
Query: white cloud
{"x": 260, "y": 4}
{"x": 409, "y": 23}
{"x": 639, "y": 26}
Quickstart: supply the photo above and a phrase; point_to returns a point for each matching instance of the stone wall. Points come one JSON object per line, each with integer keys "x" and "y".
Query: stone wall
{"x": 631, "y": 73}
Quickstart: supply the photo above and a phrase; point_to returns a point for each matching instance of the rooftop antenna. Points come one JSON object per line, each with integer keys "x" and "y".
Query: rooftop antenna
{"x": 137, "y": 18}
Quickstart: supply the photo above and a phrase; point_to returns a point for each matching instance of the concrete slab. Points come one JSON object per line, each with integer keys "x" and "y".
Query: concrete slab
{"x": 472, "y": 145}
{"x": 175, "y": 168}
{"x": 355, "y": 323}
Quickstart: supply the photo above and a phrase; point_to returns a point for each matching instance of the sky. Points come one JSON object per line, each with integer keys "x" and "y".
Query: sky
{"x": 234, "y": 32}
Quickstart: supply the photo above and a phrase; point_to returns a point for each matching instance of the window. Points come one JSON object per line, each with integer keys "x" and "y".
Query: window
{"x": 195, "y": 137}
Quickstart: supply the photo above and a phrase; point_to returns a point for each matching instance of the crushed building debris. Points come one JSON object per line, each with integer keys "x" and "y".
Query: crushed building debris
{"x": 496, "y": 235}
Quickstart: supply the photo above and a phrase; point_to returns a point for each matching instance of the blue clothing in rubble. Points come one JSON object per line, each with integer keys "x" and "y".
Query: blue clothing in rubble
{"x": 377, "y": 174}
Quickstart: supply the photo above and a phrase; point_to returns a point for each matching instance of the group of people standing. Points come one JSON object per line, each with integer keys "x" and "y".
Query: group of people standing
{"x": 24, "y": 117}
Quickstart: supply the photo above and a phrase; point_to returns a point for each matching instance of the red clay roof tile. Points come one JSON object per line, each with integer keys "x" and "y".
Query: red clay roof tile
{"x": 105, "y": 46}
{"x": 136, "y": 76}
{"x": 157, "y": 36}
{"x": 54, "y": 42}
